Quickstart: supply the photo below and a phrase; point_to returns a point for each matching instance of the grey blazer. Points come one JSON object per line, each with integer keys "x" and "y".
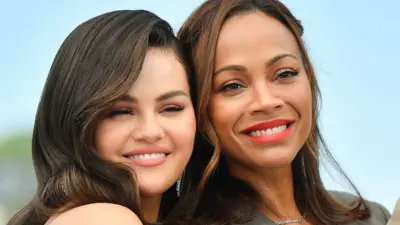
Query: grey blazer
{"x": 379, "y": 214}
{"x": 395, "y": 219}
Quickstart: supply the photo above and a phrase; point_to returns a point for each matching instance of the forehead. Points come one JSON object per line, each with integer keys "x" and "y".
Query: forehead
{"x": 252, "y": 33}
{"x": 161, "y": 72}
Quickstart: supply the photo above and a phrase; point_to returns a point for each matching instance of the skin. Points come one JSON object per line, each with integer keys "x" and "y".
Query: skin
{"x": 97, "y": 214}
{"x": 259, "y": 76}
{"x": 156, "y": 112}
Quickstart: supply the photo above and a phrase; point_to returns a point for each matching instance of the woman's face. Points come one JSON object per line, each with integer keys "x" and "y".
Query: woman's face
{"x": 261, "y": 105}
{"x": 152, "y": 127}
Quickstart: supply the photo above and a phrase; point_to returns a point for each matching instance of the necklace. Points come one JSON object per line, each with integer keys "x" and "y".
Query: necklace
{"x": 283, "y": 222}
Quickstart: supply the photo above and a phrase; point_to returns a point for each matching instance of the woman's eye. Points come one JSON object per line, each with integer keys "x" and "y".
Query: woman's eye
{"x": 231, "y": 87}
{"x": 286, "y": 73}
{"x": 172, "y": 109}
{"x": 120, "y": 112}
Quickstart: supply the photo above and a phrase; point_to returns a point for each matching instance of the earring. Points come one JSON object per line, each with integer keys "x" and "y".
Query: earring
{"x": 179, "y": 184}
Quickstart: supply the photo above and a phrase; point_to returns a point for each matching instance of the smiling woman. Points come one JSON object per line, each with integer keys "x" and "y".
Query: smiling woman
{"x": 115, "y": 126}
{"x": 258, "y": 105}
{"x": 267, "y": 104}
{"x": 152, "y": 126}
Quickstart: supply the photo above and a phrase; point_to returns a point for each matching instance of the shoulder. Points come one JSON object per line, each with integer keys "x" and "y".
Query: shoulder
{"x": 97, "y": 214}
{"x": 379, "y": 213}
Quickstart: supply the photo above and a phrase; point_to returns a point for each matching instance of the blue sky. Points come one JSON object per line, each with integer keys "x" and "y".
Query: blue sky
{"x": 353, "y": 45}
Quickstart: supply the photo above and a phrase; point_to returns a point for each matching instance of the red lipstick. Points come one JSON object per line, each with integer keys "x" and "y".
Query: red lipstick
{"x": 269, "y": 131}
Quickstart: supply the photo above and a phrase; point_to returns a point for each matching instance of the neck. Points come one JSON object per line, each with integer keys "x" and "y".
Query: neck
{"x": 150, "y": 207}
{"x": 275, "y": 188}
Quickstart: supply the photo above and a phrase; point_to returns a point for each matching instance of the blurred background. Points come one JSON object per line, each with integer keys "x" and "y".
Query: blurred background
{"x": 354, "y": 46}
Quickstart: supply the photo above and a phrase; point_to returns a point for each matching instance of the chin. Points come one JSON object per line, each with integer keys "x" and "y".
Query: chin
{"x": 151, "y": 192}
{"x": 276, "y": 160}
{"x": 151, "y": 189}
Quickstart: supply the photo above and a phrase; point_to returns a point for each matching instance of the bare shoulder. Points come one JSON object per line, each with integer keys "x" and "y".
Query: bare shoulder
{"x": 97, "y": 214}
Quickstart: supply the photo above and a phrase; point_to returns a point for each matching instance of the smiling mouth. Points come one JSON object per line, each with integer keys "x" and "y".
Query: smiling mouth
{"x": 273, "y": 134}
{"x": 269, "y": 131}
{"x": 147, "y": 159}
{"x": 147, "y": 156}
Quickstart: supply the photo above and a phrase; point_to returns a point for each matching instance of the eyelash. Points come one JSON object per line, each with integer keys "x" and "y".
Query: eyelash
{"x": 121, "y": 112}
{"x": 287, "y": 73}
{"x": 172, "y": 109}
{"x": 228, "y": 87}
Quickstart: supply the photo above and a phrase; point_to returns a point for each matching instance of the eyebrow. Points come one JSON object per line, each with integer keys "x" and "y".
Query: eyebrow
{"x": 270, "y": 62}
{"x": 163, "y": 97}
{"x": 169, "y": 95}
{"x": 279, "y": 57}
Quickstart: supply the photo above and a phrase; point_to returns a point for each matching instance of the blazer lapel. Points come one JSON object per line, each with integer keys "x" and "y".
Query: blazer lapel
{"x": 395, "y": 218}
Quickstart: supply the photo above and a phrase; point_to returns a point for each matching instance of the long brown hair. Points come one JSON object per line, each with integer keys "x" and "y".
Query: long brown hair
{"x": 98, "y": 62}
{"x": 199, "y": 34}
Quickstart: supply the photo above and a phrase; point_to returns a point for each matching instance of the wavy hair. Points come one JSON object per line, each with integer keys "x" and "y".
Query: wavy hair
{"x": 97, "y": 63}
{"x": 200, "y": 34}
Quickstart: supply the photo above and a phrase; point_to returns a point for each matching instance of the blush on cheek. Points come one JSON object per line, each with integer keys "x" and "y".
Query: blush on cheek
{"x": 183, "y": 131}
{"x": 181, "y": 128}
{"x": 109, "y": 139}
{"x": 224, "y": 115}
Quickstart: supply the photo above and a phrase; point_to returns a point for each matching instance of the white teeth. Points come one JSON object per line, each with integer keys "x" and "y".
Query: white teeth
{"x": 147, "y": 156}
{"x": 269, "y": 131}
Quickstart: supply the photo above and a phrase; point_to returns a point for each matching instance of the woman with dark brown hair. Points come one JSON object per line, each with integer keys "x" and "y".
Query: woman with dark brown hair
{"x": 115, "y": 126}
{"x": 258, "y": 101}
